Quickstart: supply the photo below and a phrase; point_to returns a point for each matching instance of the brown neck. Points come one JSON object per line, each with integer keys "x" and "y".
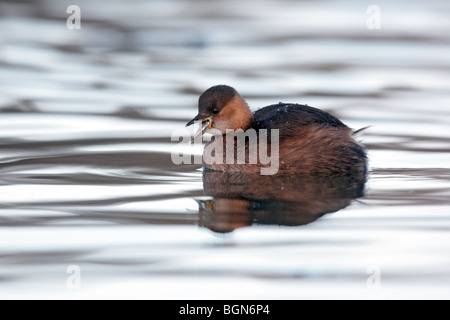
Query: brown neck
{"x": 242, "y": 116}
{"x": 235, "y": 115}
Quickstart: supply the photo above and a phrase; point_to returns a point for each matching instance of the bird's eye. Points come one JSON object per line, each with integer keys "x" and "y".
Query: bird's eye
{"x": 216, "y": 110}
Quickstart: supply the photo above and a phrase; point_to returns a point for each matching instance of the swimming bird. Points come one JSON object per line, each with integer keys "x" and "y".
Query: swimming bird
{"x": 309, "y": 140}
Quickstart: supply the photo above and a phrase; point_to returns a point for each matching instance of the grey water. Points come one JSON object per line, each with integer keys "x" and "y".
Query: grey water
{"x": 92, "y": 206}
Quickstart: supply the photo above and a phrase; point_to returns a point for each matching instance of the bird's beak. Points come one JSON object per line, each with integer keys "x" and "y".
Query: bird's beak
{"x": 205, "y": 124}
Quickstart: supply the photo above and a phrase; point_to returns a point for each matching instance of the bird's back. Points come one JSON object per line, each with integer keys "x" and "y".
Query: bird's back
{"x": 311, "y": 140}
{"x": 288, "y": 118}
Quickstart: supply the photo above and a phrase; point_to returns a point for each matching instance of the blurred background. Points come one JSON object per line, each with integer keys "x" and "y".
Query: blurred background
{"x": 85, "y": 122}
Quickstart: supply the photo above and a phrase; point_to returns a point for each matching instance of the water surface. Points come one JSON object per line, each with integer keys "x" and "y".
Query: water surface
{"x": 86, "y": 177}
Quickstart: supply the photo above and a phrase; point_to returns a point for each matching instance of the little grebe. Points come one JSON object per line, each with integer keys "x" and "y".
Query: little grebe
{"x": 310, "y": 140}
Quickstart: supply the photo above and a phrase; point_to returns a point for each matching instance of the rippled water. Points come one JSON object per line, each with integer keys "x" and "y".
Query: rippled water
{"x": 86, "y": 177}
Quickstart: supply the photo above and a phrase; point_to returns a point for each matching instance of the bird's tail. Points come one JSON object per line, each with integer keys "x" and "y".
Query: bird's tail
{"x": 355, "y": 133}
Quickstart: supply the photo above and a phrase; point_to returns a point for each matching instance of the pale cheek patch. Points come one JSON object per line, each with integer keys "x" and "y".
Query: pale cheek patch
{"x": 221, "y": 125}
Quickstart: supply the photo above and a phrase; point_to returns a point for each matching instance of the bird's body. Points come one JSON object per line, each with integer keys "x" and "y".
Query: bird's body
{"x": 309, "y": 140}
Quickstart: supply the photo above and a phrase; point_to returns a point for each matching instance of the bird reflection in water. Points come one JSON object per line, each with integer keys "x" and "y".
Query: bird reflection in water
{"x": 241, "y": 200}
